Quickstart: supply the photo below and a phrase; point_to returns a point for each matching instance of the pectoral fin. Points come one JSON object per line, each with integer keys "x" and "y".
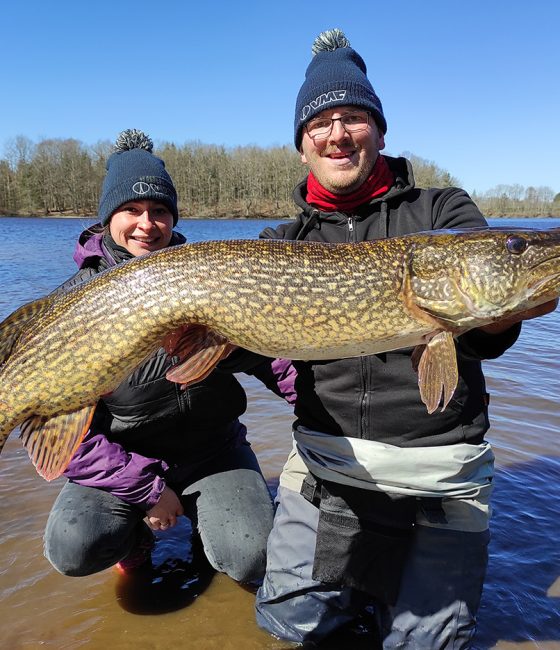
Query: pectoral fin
{"x": 199, "y": 350}
{"x": 52, "y": 443}
{"x": 437, "y": 371}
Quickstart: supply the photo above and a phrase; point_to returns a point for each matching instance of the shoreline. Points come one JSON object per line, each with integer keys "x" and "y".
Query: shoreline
{"x": 242, "y": 218}
{"x": 94, "y": 217}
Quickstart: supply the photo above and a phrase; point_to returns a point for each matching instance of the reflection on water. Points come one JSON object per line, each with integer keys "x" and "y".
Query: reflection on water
{"x": 178, "y": 573}
{"x": 182, "y": 603}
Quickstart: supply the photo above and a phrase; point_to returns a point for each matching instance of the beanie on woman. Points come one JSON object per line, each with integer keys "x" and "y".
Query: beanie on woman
{"x": 135, "y": 174}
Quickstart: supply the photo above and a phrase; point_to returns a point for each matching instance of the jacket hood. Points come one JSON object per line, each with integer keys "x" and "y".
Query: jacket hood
{"x": 404, "y": 182}
{"x": 90, "y": 251}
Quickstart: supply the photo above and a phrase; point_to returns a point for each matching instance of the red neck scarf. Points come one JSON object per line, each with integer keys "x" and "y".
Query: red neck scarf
{"x": 377, "y": 183}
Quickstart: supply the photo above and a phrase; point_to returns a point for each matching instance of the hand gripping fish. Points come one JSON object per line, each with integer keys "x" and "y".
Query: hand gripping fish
{"x": 297, "y": 300}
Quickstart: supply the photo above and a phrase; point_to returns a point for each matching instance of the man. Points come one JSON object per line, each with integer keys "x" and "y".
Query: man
{"x": 416, "y": 548}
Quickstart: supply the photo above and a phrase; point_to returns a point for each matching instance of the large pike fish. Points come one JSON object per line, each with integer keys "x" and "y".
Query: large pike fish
{"x": 297, "y": 300}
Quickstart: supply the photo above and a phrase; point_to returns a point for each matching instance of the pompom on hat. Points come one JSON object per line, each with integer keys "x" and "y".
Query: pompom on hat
{"x": 135, "y": 174}
{"x": 336, "y": 76}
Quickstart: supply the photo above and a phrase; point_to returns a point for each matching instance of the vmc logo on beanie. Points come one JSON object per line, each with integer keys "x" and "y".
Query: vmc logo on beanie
{"x": 337, "y": 75}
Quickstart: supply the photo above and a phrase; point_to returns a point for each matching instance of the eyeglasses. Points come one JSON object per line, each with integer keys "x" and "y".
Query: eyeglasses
{"x": 352, "y": 122}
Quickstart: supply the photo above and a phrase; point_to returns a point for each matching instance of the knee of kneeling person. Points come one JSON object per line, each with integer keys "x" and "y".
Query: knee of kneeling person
{"x": 246, "y": 567}
{"x": 69, "y": 564}
{"x": 71, "y": 556}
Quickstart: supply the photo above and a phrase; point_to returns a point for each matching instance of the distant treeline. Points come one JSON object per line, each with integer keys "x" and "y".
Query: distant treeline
{"x": 64, "y": 176}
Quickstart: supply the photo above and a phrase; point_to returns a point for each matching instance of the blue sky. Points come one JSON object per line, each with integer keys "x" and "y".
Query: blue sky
{"x": 473, "y": 87}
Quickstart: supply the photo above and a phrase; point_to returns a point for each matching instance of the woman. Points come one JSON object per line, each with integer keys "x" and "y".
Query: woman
{"x": 154, "y": 451}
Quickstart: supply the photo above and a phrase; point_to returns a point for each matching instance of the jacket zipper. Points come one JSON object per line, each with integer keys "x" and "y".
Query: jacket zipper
{"x": 363, "y": 363}
{"x": 350, "y": 222}
{"x": 364, "y": 406}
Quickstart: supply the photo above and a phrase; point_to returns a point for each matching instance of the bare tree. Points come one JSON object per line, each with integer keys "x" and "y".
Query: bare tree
{"x": 63, "y": 175}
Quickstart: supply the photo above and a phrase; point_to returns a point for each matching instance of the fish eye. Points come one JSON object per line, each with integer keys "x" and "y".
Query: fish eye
{"x": 516, "y": 244}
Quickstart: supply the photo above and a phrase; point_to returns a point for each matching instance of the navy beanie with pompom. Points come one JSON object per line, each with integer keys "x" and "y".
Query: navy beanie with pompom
{"x": 135, "y": 174}
{"x": 336, "y": 76}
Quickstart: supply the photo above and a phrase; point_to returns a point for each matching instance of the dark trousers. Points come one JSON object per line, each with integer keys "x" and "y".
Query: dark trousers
{"x": 89, "y": 530}
{"x": 438, "y": 598}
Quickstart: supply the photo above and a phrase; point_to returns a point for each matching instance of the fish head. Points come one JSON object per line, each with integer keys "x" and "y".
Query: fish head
{"x": 476, "y": 276}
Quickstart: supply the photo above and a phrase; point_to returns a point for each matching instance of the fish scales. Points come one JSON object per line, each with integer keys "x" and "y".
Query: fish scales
{"x": 297, "y": 305}
{"x": 297, "y": 300}
{"x": 108, "y": 337}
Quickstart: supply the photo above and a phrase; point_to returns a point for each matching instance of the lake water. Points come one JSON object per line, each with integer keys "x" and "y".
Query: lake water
{"x": 187, "y": 606}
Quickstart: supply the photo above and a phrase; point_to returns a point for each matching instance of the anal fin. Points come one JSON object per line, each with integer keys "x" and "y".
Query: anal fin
{"x": 437, "y": 371}
{"x": 51, "y": 443}
{"x": 199, "y": 350}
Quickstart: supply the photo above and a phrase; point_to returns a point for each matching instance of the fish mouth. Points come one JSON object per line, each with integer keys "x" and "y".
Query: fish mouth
{"x": 540, "y": 263}
{"x": 553, "y": 280}
{"x": 552, "y": 277}
{"x": 530, "y": 294}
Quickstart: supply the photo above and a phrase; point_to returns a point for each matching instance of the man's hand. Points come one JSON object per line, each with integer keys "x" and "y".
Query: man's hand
{"x": 164, "y": 514}
{"x": 504, "y": 324}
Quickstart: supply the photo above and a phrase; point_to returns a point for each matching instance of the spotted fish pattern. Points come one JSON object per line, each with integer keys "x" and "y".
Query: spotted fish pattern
{"x": 297, "y": 300}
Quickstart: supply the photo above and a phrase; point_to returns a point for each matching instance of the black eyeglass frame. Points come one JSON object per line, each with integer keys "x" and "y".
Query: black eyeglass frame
{"x": 324, "y": 135}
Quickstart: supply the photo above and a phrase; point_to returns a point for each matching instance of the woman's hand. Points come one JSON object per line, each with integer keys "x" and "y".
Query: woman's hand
{"x": 164, "y": 514}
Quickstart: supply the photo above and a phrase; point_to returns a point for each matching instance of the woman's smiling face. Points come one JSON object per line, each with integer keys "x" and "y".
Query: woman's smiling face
{"x": 141, "y": 226}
